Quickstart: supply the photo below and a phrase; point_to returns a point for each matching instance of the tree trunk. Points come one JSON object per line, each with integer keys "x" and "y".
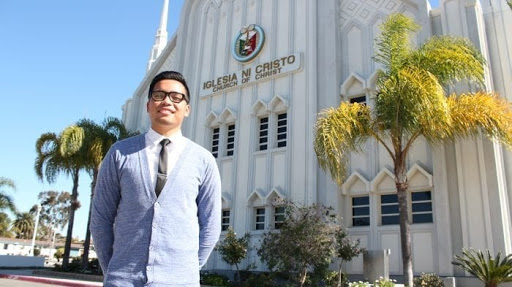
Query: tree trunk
{"x": 237, "y": 275}
{"x": 87, "y": 242}
{"x": 340, "y": 274}
{"x": 72, "y": 208}
{"x": 303, "y": 276}
{"x": 405, "y": 234}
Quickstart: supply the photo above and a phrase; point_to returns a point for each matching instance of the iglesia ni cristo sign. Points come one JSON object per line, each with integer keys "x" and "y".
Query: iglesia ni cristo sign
{"x": 263, "y": 71}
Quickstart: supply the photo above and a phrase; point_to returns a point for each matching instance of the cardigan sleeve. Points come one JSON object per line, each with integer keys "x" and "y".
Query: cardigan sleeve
{"x": 104, "y": 209}
{"x": 209, "y": 203}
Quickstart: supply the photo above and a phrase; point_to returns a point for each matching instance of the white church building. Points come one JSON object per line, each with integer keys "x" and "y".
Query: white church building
{"x": 260, "y": 71}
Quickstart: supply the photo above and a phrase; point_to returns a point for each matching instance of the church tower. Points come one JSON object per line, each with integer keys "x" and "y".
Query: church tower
{"x": 161, "y": 36}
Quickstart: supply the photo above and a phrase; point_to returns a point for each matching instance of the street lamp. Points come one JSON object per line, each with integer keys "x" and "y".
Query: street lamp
{"x": 35, "y": 229}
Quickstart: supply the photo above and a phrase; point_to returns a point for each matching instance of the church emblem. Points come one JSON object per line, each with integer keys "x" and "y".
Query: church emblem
{"x": 248, "y": 43}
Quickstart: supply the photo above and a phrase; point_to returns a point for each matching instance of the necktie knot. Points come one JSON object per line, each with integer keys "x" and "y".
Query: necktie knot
{"x": 165, "y": 142}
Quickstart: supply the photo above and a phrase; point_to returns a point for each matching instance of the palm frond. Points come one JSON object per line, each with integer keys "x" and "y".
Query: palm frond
{"x": 71, "y": 140}
{"x": 394, "y": 44}
{"x": 97, "y": 151}
{"x": 450, "y": 59}
{"x": 481, "y": 112}
{"x": 47, "y": 143}
{"x": 6, "y": 201}
{"x": 116, "y": 127}
{"x": 490, "y": 270}
{"x": 413, "y": 101}
{"x": 4, "y": 181}
{"x": 339, "y": 131}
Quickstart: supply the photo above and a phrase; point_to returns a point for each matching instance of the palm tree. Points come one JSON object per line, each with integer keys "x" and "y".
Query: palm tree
{"x": 24, "y": 225}
{"x": 5, "y": 224}
{"x": 93, "y": 141}
{"x": 490, "y": 270}
{"x": 411, "y": 104}
{"x": 52, "y": 159}
{"x": 6, "y": 200}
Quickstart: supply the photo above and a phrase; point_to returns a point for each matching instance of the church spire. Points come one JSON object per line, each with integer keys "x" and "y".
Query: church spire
{"x": 161, "y": 36}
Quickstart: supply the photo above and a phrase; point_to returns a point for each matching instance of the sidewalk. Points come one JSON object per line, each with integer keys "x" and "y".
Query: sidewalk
{"x": 48, "y": 277}
{"x": 54, "y": 278}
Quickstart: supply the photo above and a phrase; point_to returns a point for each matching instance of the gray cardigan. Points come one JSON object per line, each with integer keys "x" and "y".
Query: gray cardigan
{"x": 144, "y": 240}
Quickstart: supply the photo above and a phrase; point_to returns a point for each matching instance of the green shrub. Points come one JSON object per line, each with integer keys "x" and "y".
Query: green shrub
{"x": 260, "y": 280}
{"x": 346, "y": 250}
{"x": 94, "y": 267}
{"x": 37, "y": 252}
{"x": 381, "y": 282}
{"x": 305, "y": 241}
{"x": 233, "y": 250}
{"x": 384, "y": 283}
{"x": 75, "y": 265}
{"x": 214, "y": 279}
{"x": 428, "y": 280}
{"x": 490, "y": 270}
{"x": 322, "y": 276}
{"x": 59, "y": 253}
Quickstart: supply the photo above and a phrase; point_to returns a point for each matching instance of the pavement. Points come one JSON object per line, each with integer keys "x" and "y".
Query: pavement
{"x": 50, "y": 277}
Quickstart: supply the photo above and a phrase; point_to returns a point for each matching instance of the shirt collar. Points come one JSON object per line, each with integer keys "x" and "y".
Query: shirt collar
{"x": 155, "y": 138}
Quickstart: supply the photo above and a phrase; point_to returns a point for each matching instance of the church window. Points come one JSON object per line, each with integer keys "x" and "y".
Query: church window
{"x": 279, "y": 214}
{"x": 360, "y": 100}
{"x": 259, "y": 218}
{"x": 215, "y": 141}
{"x": 230, "y": 147}
{"x": 422, "y": 207}
{"x": 225, "y": 219}
{"x": 389, "y": 209}
{"x": 281, "y": 129}
{"x": 263, "y": 133}
{"x": 361, "y": 211}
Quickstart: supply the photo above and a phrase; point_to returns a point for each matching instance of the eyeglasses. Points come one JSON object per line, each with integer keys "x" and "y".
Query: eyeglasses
{"x": 175, "y": 97}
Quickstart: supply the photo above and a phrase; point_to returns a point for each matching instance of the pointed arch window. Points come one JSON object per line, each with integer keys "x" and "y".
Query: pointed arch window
{"x": 230, "y": 140}
{"x": 279, "y": 216}
{"x": 263, "y": 133}
{"x": 222, "y": 137}
{"x": 361, "y": 210}
{"x": 215, "y": 141}
{"x": 421, "y": 206}
{"x": 259, "y": 218}
{"x": 226, "y": 214}
{"x": 282, "y": 127}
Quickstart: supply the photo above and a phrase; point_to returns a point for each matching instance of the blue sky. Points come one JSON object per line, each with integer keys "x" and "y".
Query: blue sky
{"x": 61, "y": 61}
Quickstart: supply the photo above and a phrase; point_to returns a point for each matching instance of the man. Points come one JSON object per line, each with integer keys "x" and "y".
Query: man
{"x": 144, "y": 236}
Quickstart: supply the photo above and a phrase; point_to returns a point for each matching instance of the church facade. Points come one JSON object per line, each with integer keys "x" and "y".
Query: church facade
{"x": 260, "y": 71}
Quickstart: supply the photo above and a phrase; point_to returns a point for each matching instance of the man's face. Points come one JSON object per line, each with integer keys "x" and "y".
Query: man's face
{"x": 167, "y": 116}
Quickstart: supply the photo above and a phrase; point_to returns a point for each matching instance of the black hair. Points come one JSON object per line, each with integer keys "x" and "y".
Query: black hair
{"x": 169, "y": 75}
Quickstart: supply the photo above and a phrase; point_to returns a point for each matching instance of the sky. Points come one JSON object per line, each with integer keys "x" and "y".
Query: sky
{"x": 61, "y": 61}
